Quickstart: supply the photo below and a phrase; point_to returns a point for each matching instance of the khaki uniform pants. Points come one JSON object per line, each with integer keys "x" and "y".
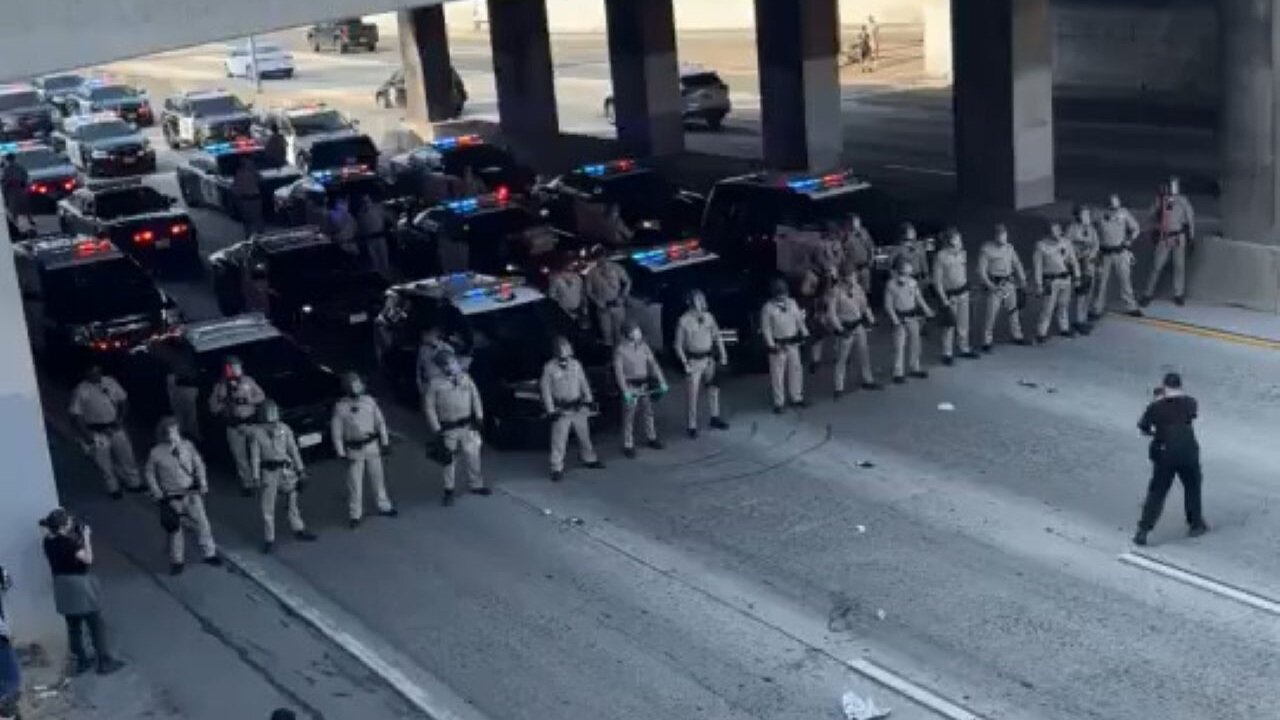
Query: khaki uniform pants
{"x": 702, "y": 372}
{"x": 1121, "y": 264}
{"x": 1175, "y": 247}
{"x": 192, "y": 508}
{"x": 644, "y": 403}
{"x": 464, "y": 442}
{"x": 275, "y": 482}
{"x": 960, "y": 306}
{"x": 611, "y": 318}
{"x": 1057, "y": 301}
{"x": 361, "y": 463}
{"x": 1003, "y": 299}
{"x": 845, "y": 344}
{"x": 1084, "y": 296}
{"x": 238, "y": 439}
{"x": 907, "y": 330}
{"x": 786, "y": 375}
{"x": 113, "y": 454}
{"x": 575, "y": 421}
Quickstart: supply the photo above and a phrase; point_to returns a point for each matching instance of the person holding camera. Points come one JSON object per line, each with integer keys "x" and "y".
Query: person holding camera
{"x": 69, "y": 550}
{"x": 175, "y": 475}
{"x": 1174, "y": 452}
{"x": 10, "y": 674}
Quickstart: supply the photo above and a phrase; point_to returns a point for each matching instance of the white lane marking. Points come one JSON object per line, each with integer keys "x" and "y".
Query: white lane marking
{"x": 921, "y": 170}
{"x": 921, "y": 695}
{"x": 1194, "y": 579}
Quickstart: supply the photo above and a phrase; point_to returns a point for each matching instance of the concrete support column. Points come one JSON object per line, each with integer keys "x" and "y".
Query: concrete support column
{"x": 424, "y": 52}
{"x": 937, "y": 38}
{"x": 27, "y": 491}
{"x": 797, "y": 42}
{"x": 646, "y": 76}
{"x": 522, "y": 67}
{"x": 1250, "y": 128}
{"x": 1004, "y": 101}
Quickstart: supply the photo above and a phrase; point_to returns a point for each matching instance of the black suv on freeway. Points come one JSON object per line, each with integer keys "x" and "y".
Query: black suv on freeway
{"x": 191, "y": 358}
{"x": 308, "y": 280}
{"x": 23, "y": 113}
{"x": 205, "y": 179}
{"x": 103, "y": 145}
{"x": 139, "y": 219}
{"x": 303, "y": 201}
{"x": 51, "y": 174}
{"x": 205, "y": 116}
{"x": 127, "y": 102}
{"x": 493, "y": 165}
{"x": 85, "y": 300}
{"x": 578, "y": 199}
{"x": 55, "y": 89}
{"x": 504, "y": 329}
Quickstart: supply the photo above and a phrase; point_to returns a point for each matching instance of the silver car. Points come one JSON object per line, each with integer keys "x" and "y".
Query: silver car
{"x": 705, "y": 96}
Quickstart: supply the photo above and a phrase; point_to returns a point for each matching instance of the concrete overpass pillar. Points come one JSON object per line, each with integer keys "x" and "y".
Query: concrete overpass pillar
{"x": 424, "y": 53}
{"x": 797, "y": 42}
{"x": 937, "y": 38}
{"x": 522, "y": 67}
{"x": 646, "y": 76}
{"x": 27, "y": 490}
{"x": 1004, "y": 101}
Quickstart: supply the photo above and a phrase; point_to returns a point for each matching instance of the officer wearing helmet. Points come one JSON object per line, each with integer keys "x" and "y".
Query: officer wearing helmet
{"x": 639, "y": 378}
{"x": 455, "y": 414}
{"x": 951, "y": 281}
{"x": 567, "y": 397}
{"x": 1173, "y": 229}
{"x": 906, "y": 307}
{"x": 782, "y": 325}
{"x": 277, "y": 470}
{"x": 99, "y": 405}
{"x": 849, "y": 315}
{"x": 359, "y": 435}
{"x": 700, "y": 349}
{"x": 176, "y": 477}
{"x": 235, "y": 400}
{"x": 608, "y": 286}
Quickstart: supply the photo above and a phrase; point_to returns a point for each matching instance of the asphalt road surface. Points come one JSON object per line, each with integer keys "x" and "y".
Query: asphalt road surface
{"x": 974, "y": 556}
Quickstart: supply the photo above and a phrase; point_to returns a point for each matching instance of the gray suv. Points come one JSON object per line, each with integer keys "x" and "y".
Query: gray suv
{"x": 705, "y": 96}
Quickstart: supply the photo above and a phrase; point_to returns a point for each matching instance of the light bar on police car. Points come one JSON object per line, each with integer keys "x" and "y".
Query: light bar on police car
{"x": 821, "y": 182}
{"x": 229, "y": 147}
{"x": 602, "y": 169}
{"x": 343, "y": 173}
{"x": 20, "y": 146}
{"x": 470, "y": 205}
{"x": 458, "y": 141}
{"x": 673, "y": 252}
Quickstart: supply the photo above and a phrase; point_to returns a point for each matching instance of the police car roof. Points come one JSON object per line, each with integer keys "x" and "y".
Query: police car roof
{"x": 57, "y": 251}
{"x": 16, "y": 88}
{"x": 291, "y": 239}
{"x": 474, "y": 293}
{"x": 114, "y": 185}
{"x": 814, "y": 185}
{"x": 202, "y": 94}
{"x": 211, "y": 335}
{"x": 22, "y": 146}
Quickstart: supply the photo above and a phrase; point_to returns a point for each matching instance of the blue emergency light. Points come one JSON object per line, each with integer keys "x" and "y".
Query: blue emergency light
{"x": 450, "y": 143}
{"x": 470, "y": 205}
{"x": 233, "y": 146}
{"x": 13, "y": 147}
{"x": 818, "y": 182}
{"x": 326, "y": 176}
{"x": 602, "y": 169}
{"x": 668, "y": 253}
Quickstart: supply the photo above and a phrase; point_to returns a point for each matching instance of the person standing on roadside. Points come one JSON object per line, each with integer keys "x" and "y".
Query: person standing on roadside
{"x": 246, "y": 186}
{"x": 68, "y": 547}
{"x": 1174, "y": 452}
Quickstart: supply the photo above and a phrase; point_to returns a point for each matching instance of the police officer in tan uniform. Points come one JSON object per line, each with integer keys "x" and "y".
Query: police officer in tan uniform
{"x": 607, "y": 287}
{"x": 99, "y": 406}
{"x": 565, "y": 288}
{"x": 639, "y": 378}
{"x": 427, "y": 367}
{"x": 951, "y": 280}
{"x": 277, "y": 469}
{"x": 814, "y": 284}
{"x": 176, "y": 477}
{"x": 455, "y": 414}
{"x": 848, "y": 316}
{"x": 1053, "y": 267}
{"x": 859, "y": 249}
{"x": 359, "y": 435}
{"x": 782, "y": 324}
{"x": 916, "y": 252}
{"x": 1083, "y": 236}
{"x": 1173, "y": 229}
{"x": 567, "y": 397}
{"x": 1001, "y": 272}
{"x": 905, "y": 305}
{"x": 1117, "y": 229}
{"x": 700, "y": 348}
{"x": 235, "y": 399}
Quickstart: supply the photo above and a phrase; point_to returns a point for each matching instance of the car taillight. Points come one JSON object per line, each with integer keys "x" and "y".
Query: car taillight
{"x": 178, "y": 229}
{"x": 144, "y": 237}
{"x": 69, "y": 185}
{"x": 39, "y": 188}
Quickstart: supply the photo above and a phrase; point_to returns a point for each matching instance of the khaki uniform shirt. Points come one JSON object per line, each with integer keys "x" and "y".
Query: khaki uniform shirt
{"x": 902, "y": 297}
{"x": 564, "y": 385}
{"x": 951, "y": 269}
{"x": 1084, "y": 240}
{"x": 451, "y": 399}
{"x": 698, "y": 333}
{"x": 1053, "y": 256}
{"x": 999, "y": 262}
{"x": 566, "y": 290}
{"x": 356, "y": 419}
{"x": 607, "y": 282}
{"x": 98, "y": 403}
{"x": 846, "y": 305}
{"x": 781, "y": 320}
{"x": 239, "y": 401}
{"x": 274, "y": 443}
{"x": 634, "y": 363}
{"x": 1174, "y": 214}
{"x": 175, "y": 469}
{"x": 1117, "y": 228}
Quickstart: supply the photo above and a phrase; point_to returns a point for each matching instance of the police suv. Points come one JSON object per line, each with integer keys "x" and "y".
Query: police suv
{"x": 302, "y": 277}
{"x": 205, "y": 179}
{"x": 493, "y": 165}
{"x": 179, "y": 369}
{"x": 103, "y": 145}
{"x": 578, "y": 200}
{"x": 23, "y": 113}
{"x": 302, "y": 126}
{"x": 199, "y": 117}
{"x": 104, "y": 96}
{"x": 56, "y": 89}
{"x": 85, "y": 300}
{"x": 504, "y": 328}
{"x": 303, "y": 200}
{"x": 704, "y": 94}
{"x": 139, "y": 219}
{"x": 51, "y": 174}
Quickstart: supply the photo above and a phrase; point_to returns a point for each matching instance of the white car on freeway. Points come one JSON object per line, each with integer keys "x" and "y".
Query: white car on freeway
{"x": 273, "y": 61}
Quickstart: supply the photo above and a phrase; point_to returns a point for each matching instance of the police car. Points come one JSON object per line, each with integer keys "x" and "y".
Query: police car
{"x": 304, "y": 277}
{"x": 303, "y": 200}
{"x": 84, "y": 298}
{"x": 492, "y": 165}
{"x": 205, "y": 179}
{"x": 304, "y": 125}
{"x": 103, "y": 145}
{"x": 23, "y": 113}
{"x": 579, "y": 199}
{"x": 504, "y": 329}
{"x": 51, "y": 174}
{"x": 55, "y": 89}
{"x": 188, "y": 361}
{"x": 199, "y": 117}
{"x": 140, "y": 220}
{"x": 125, "y": 101}
{"x": 492, "y": 233}
{"x": 704, "y": 94}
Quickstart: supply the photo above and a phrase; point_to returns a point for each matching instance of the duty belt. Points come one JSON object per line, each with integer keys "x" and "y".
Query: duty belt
{"x": 276, "y": 464}
{"x": 103, "y": 427}
{"x": 697, "y": 355}
{"x": 1000, "y": 279}
{"x": 361, "y": 441}
{"x": 638, "y": 382}
{"x": 455, "y": 424}
{"x": 958, "y": 291}
{"x": 571, "y": 405}
{"x": 913, "y": 312}
{"x": 1057, "y": 276}
{"x": 1113, "y": 250}
{"x": 793, "y": 340}
{"x": 847, "y": 327}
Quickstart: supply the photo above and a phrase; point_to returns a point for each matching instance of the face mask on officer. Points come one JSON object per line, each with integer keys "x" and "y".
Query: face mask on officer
{"x": 908, "y": 233}
{"x": 1055, "y": 231}
{"x": 1002, "y": 235}
{"x": 954, "y": 241}
{"x": 634, "y": 335}
{"x": 452, "y": 368}
{"x": 905, "y": 270}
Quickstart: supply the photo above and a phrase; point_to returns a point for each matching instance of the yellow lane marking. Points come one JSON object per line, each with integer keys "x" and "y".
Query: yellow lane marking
{"x": 1204, "y": 332}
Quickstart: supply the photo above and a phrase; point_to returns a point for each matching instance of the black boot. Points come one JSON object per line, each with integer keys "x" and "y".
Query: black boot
{"x": 1140, "y": 538}
{"x": 447, "y": 499}
{"x": 718, "y": 424}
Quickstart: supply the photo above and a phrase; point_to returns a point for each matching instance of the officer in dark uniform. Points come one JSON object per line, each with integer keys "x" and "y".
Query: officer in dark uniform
{"x": 276, "y": 148}
{"x": 1174, "y": 452}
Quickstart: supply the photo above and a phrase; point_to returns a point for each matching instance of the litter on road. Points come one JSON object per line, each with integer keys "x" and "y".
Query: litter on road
{"x": 946, "y": 407}
{"x": 856, "y": 708}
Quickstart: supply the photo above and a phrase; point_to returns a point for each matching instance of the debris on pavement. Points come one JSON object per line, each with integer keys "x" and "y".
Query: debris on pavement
{"x": 856, "y": 708}
{"x": 1028, "y": 384}
{"x": 866, "y": 464}
{"x": 881, "y": 614}
{"x": 946, "y": 407}
{"x": 860, "y": 528}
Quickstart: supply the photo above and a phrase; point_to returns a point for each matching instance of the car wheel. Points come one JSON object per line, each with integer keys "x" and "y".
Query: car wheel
{"x": 610, "y": 114}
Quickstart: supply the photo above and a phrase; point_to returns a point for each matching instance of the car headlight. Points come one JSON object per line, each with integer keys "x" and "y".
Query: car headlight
{"x": 99, "y": 154}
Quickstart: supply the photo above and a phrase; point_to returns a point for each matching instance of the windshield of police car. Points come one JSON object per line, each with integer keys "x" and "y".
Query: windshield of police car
{"x": 132, "y": 201}
{"x": 112, "y": 93}
{"x": 19, "y": 99}
{"x": 217, "y": 105}
{"x": 345, "y": 152}
{"x": 314, "y": 123}
{"x": 39, "y": 159}
{"x": 495, "y": 333}
{"x": 105, "y": 130}
{"x": 99, "y": 291}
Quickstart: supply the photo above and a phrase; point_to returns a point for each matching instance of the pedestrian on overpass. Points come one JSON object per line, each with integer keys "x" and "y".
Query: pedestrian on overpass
{"x": 1174, "y": 452}
{"x": 246, "y": 186}
{"x": 1173, "y": 230}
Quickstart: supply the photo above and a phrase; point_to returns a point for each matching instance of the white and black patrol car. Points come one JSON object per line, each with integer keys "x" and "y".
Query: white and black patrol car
{"x": 140, "y": 220}
{"x": 101, "y": 96}
{"x": 51, "y": 175}
{"x": 205, "y": 179}
{"x": 200, "y": 117}
{"x": 103, "y": 145}
{"x": 304, "y": 125}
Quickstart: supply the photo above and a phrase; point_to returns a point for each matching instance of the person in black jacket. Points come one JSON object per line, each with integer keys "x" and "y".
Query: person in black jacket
{"x": 1174, "y": 452}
